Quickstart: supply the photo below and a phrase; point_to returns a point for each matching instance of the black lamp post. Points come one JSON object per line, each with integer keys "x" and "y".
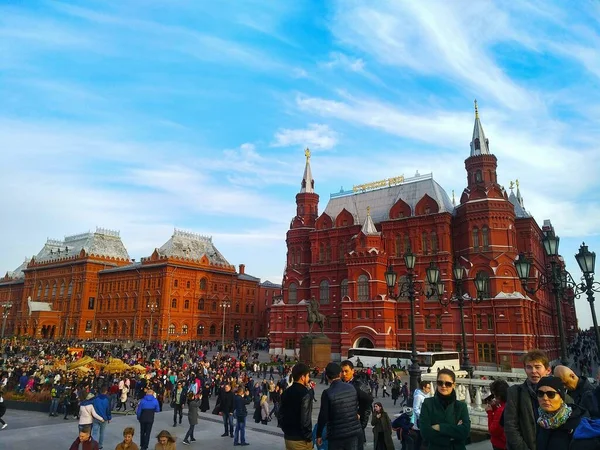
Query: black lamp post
{"x": 6, "y": 306}
{"x": 411, "y": 289}
{"x": 587, "y": 261}
{"x": 555, "y": 278}
{"x": 152, "y": 307}
{"x": 458, "y": 296}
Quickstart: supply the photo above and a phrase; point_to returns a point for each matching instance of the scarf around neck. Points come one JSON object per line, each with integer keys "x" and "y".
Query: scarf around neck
{"x": 556, "y": 419}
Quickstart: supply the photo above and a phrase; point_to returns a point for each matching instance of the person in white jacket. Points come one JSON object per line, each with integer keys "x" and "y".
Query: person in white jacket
{"x": 421, "y": 394}
{"x": 87, "y": 413}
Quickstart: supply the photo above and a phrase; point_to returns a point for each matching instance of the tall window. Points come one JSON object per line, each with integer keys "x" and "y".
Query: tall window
{"x": 324, "y": 292}
{"x": 91, "y": 302}
{"x": 342, "y": 251}
{"x": 39, "y": 292}
{"x": 174, "y": 303}
{"x": 344, "y": 288}
{"x": 398, "y": 245}
{"x": 427, "y": 321}
{"x": 172, "y": 329}
{"x": 363, "y": 288}
{"x": 328, "y": 252}
{"x": 485, "y": 240}
{"x": 292, "y": 293}
{"x": 486, "y": 352}
{"x": 186, "y": 304}
{"x": 434, "y": 242}
{"x": 214, "y": 306}
{"x": 203, "y": 284}
{"x": 425, "y": 243}
{"x": 46, "y": 290}
{"x": 400, "y": 322}
{"x": 475, "y": 238}
{"x": 200, "y": 330}
{"x": 70, "y": 288}
{"x": 438, "y": 321}
{"x": 321, "y": 252}
{"x": 54, "y": 290}
{"x": 407, "y": 245}
{"x": 479, "y": 322}
{"x": 184, "y": 329}
{"x": 201, "y": 304}
{"x": 490, "y": 322}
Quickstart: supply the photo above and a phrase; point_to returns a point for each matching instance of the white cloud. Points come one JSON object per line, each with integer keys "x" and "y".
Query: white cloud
{"x": 337, "y": 59}
{"x": 316, "y": 136}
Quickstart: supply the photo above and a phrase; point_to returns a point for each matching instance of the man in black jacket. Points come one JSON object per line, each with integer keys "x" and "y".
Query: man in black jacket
{"x": 295, "y": 414}
{"x": 363, "y": 392}
{"x": 339, "y": 411}
{"x": 226, "y": 402}
{"x": 579, "y": 388}
{"x": 240, "y": 412}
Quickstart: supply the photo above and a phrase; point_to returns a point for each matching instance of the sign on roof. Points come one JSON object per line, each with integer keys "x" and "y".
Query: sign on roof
{"x": 378, "y": 184}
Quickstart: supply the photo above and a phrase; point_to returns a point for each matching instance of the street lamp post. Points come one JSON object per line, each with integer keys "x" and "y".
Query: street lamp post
{"x": 152, "y": 307}
{"x": 555, "y": 278}
{"x": 6, "y": 306}
{"x": 224, "y": 304}
{"x": 459, "y": 296}
{"x": 411, "y": 289}
{"x": 587, "y": 261}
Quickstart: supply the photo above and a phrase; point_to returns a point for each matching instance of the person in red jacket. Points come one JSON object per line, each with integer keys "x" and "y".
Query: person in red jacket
{"x": 495, "y": 412}
{"x": 84, "y": 441}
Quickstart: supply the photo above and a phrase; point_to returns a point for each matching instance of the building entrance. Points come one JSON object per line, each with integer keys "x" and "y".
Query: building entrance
{"x": 364, "y": 343}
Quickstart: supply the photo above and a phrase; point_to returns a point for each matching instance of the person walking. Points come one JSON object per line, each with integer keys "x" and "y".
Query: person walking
{"x": 146, "y": 409}
{"x": 240, "y": 412}
{"x": 495, "y": 413}
{"x": 55, "y": 400}
{"x": 339, "y": 412}
{"x": 87, "y": 412}
{"x": 444, "y": 420}
{"x": 382, "y": 428}
{"x": 295, "y": 411}
{"x": 102, "y": 406}
{"x": 193, "y": 405}
{"x": 363, "y": 394}
{"x": 264, "y": 409}
{"x": 178, "y": 398}
{"x": 226, "y": 402}
{"x": 123, "y": 393}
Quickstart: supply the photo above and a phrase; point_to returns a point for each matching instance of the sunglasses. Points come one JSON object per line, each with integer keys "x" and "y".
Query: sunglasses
{"x": 550, "y": 394}
{"x": 447, "y": 384}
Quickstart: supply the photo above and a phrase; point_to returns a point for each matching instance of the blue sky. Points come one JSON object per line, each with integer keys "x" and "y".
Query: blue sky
{"x": 145, "y": 115}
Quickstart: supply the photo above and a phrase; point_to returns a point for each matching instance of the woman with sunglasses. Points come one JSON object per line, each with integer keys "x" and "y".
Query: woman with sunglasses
{"x": 444, "y": 422}
{"x": 561, "y": 425}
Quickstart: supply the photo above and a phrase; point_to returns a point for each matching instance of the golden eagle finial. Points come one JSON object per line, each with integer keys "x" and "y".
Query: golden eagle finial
{"x": 307, "y": 154}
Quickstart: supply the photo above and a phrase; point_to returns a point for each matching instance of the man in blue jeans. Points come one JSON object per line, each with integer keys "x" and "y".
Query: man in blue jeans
{"x": 102, "y": 407}
{"x": 55, "y": 394}
{"x": 240, "y": 412}
{"x": 226, "y": 402}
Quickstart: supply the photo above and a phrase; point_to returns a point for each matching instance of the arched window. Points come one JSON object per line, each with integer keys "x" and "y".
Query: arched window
{"x": 344, "y": 288}
{"x": 434, "y": 242}
{"x": 291, "y": 257}
{"x": 62, "y": 289}
{"x": 342, "y": 251}
{"x": 201, "y": 304}
{"x": 363, "y": 288}
{"x": 425, "y": 243}
{"x": 292, "y": 293}
{"x": 321, "y": 252}
{"x": 174, "y": 303}
{"x": 478, "y": 176}
{"x": 54, "y": 290}
{"x": 324, "y": 292}
{"x": 172, "y": 329}
{"x": 39, "y": 292}
{"x": 475, "y": 238}
{"x": 214, "y": 306}
{"x": 407, "y": 246}
{"x": 200, "y": 330}
{"x": 115, "y": 328}
{"x": 486, "y": 278}
{"x": 328, "y": 252}
{"x": 186, "y": 304}
{"x": 155, "y": 327}
{"x": 485, "y": 239}
{"x": 212, "y": 329}
{"x": 298, "y": 256}
{"x": 203, "y": 284}
{"x": 46, "y": 290}
{"x": 184, "y": 329}
{"x": 70, "y": 288}
{"x": 237, "y": 307}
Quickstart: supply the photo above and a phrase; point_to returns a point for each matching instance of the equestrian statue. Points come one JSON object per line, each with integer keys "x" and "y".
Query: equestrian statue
{"x": 314, "y": 316}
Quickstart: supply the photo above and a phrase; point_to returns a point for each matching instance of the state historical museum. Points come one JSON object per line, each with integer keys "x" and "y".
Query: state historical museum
{"x": 340, "y": 256}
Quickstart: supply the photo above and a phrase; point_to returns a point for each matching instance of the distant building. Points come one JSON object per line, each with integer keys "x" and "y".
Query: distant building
{"x": 340, "y": 256}
{"x": 86, "y": 286}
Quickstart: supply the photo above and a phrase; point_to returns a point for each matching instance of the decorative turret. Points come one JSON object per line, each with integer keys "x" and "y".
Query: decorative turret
{"x": 517, "y": 200}
{"x": 481, "y": 164}
{"x": 368, "y": 228}
{"x": 307, "y": 201}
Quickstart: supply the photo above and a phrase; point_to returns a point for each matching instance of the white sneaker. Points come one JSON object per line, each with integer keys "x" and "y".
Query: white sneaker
{"x": 4, "y": 426}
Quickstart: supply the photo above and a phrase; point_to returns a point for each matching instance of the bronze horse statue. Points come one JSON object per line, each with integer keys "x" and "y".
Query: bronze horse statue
{"x": 314, "y": 316}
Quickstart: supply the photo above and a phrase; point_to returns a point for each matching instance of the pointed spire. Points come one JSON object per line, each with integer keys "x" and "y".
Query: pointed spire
{"x": 479, "y": 143}
{"x": 368, "y": 227}
{"x": 519, "y": 197}
{"x": 308, "y": 183}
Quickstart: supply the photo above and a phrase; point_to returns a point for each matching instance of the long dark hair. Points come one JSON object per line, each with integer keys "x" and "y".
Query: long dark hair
{"x": 380, "y": 406}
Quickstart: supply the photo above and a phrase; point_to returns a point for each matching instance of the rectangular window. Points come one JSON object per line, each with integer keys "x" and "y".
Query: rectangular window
{"x": 367, "y": 314}
{"x": 486, "y": 352}
{"x": 438, "y": 321}
{"x": 427, "y": 321}
{"x": 88, "y": 326}
{"x": 434, "y": 346}
{"x": 400, "y": 322}
{"x": 290, "y": 344}
{"x": 479, "y": 321}
{"x": 404, "y": 346}
{"x": 490, "y": 322}
{"x": 359, "y": 314}
{"x": 91, "y": 302}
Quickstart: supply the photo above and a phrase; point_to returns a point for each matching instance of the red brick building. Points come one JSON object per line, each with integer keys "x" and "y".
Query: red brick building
{"x": 340, "y": 256}
{"x": 86, "y": 286}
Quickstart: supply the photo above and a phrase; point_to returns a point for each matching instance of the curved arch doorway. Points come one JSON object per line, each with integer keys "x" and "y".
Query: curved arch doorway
{"x": 364, "y": 342}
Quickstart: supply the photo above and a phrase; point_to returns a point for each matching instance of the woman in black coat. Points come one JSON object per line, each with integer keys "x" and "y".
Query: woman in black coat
{"x": 382, "y": 428}
{"x": 204, "y": 406}
{"x": 558, "y": 423}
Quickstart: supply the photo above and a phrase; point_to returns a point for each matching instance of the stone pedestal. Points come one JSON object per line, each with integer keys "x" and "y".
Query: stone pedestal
{"x": 315, "y": 350}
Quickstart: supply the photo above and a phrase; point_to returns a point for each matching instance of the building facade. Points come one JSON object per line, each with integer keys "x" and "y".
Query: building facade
{"x": 86, "y": 286}
{"x": 340, "y": 256}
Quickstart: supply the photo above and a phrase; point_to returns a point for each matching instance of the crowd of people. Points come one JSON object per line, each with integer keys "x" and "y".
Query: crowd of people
{"x": 585, "y": 353}
{"x": 552, "y": 409}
